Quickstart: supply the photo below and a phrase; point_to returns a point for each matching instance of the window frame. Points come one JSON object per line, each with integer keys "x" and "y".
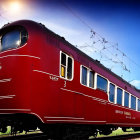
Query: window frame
{"x": 122, "y": 96}
{"x": 128, "y": 99}
{"x": 137, "y": 104}
{"x": 88, "y": 74}
{"x": 105, "y": 79}
{"x": 9, "y": 29}
{"x": 130, "y": 102}
{"x": 67, "y": 56}
{"x": 93, "y": 79}
{"x": 109, "y": 92}
{"x": 87, "y": 80}
{"x": 1, "y": 48}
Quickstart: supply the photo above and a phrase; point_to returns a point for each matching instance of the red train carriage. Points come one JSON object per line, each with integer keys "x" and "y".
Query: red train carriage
{"x": 46, "y": 82}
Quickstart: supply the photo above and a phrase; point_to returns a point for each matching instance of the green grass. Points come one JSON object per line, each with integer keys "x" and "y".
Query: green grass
{"x": 8, "y": 133}
{"x": 118, "y": 132}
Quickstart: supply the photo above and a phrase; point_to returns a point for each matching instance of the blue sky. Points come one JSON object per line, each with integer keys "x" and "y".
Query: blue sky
{"x": 115, "y": 20}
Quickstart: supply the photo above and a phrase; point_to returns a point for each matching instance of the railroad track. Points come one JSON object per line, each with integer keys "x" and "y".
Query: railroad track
{"x": 120, "y": 137}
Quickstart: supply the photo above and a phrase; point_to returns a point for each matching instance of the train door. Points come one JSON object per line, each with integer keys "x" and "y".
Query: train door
{"x": 66, "y": 96}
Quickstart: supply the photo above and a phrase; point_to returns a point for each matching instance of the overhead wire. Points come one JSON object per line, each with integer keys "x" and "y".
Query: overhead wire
{"x": 101, "y": 39}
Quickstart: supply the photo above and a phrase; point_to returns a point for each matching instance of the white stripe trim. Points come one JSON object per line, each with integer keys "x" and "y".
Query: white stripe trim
{"x": 5, "y": 80}
{"x": 63, "y": 118}
{"x": 20, "y": 55}
{"x": 123, "y": 123}
{"x": 94, "y": 98}
{"x": 13, "y": 49}
{"x": 6, "y": 113}
{"x": 15, "y": 109}
{"x": 37, "y": 116}
{"x": 123, "y": 107}
{"x": 46, "y": 73}
{"x": 75, "y": 121}
{"x": 97, "y": 99}
{"x": 8, "y": 96}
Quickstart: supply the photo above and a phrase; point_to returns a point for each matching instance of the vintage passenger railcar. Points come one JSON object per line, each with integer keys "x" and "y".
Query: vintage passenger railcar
{"x": 48, "y": 83}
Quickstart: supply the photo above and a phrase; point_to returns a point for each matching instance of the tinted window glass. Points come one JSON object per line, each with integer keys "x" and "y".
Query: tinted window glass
{"x": 24, "y": 37}
{"x": 111, "y": 92}
{"x": 138, "y": 105}
{"x": 69, "y": 69}
{"x": 119, "y": 96}
{"x": 133, "y": 102}
{"x": 126, "y": 99}
{"x": 101, "y": 83}
{"x": 11, "y": 40}
{"x": 91, "y": 79}
{"x": 63, "y": 59}
{"x": 84, "y": 75}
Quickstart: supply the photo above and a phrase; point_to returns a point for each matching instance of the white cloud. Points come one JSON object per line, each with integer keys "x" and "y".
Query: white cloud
{"x": 72, "y": 35}
{"x": 136, "y": 83}
{"x": 61, "y": 29}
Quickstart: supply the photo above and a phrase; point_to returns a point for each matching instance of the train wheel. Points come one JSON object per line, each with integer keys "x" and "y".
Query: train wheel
{"x": 95, "y": 134}
{"x": 3, "y": 129}
{"x": 124, "y": 129}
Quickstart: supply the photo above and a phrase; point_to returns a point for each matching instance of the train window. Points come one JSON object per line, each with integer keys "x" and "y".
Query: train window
{"x": 91, "y": 79}
{"x": 69, "y": 68}
{"x": 133, "y": 102}
{"x": 63, "y": 59}
{"x": 66, "y": 66}
{"x": 63, "y": 65}
{"x": 24, "y": 37}
{"x": 126, "y": 99}
{"x": 138, "y": 104}
{"x": 13, "y": 37}
{"x": 111, "y": 92}
{"x": 119, "y": 96}
{"x": 87, "y": 77}
{"x": 101, "y": 83}
{"x": 84, "y": 76}
{"x": 10, "y": 40}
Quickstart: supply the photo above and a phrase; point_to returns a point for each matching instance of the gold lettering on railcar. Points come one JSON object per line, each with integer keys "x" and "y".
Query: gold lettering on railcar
{"x": 118, "y": 112}
{"x": 123, "y": 112}
{"x": 127, "y": 113}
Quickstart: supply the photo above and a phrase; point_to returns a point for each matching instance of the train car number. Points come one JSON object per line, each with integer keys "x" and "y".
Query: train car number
{"x": 53, "y": 78}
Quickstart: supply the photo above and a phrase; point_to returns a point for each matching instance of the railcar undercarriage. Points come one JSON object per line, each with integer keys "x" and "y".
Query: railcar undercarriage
{"x": 19, "y": 122}
{"x": 75, "y": 131}
{"x": 26, "y": 122}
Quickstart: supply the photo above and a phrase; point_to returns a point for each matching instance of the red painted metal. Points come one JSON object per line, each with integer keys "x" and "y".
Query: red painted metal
{"x": 38, "y": 89}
